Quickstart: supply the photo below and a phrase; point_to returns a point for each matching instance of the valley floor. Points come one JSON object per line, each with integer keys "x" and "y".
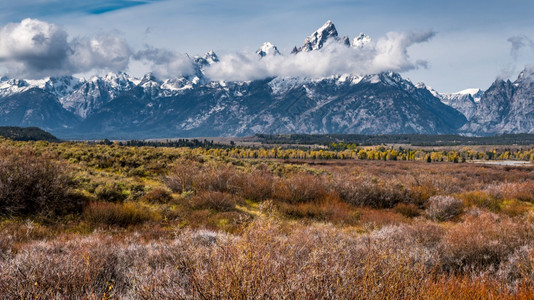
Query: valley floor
{"x": 91, "y": 221}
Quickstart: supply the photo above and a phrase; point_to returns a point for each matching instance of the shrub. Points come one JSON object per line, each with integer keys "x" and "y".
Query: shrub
{"x": 216, "y": 178}
{"x": 514, "y": 208}
{"x": 481, "y": 199}
{"x": 214, "y": 200}
{"x": 331, "y": 209}
{"x": 121, "y": 214}
{"x": 256, "y": 186}
{"x": 181, "y": 176}
{"x": 523, "y": 191}
{"x": 481, "y": 242}
{"x": 443, "y": 208}
{"x": 519, "y": 266}
{"x": 372, "y": 192}
{"x": 301, "y": 188}
{"x": 111, "y": 192}
{"x": 379, "y": 217}
{"x": 35, "y": 185}
{"x": 407, "y": 209}
{"x": 158, "y": 195}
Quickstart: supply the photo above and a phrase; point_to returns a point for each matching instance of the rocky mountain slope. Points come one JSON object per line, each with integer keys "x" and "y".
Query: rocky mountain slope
{"x": 506, "y": 107}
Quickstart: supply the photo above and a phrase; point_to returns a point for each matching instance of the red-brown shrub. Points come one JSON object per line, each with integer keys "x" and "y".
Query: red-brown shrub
{"x": 443, "y": 208}
{"x": 157, "y": 195}
{"x": 218, "y": 201}
{"x": 483, "y": 240}
{"x": 301, "y": 187}
{"x": 121, "y": 214}
{"x": 257, "y": 185}
{"x": 407, "y": 209}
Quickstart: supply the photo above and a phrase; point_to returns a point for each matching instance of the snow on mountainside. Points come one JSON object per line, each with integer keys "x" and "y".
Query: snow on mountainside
{"x": 10, "y": 87}
{"x": 95, "y": 92}
{"x": 475, "y": 93}
{"x": 464, "y": 101}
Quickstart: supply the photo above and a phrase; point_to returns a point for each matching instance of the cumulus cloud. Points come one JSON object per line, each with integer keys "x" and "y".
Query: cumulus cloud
{"x": 164, "y": 63}
{"x": 386, "y": 54}
{"x": 106, "y": 52}
{"x": 32, "y": 45}
{"x": 33, "y": 48}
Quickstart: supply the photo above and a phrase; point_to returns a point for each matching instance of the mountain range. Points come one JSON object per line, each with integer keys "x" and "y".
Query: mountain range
{"x": 123, "y": 107}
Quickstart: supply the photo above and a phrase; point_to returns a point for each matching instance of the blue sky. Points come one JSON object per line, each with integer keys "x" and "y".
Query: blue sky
{"x": 469, "y": 49}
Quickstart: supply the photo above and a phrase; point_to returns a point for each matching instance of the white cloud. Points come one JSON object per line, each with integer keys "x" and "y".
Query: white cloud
{"x": 33, "y": 45}
{"x": 164, "y": 63}
{"x": 386, "y": 54}
{"x": 105, "y": 52}
{"x": 33, "y": 48}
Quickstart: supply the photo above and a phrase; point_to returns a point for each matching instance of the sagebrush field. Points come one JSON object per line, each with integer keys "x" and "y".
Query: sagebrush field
{"x": 94, "y": 221}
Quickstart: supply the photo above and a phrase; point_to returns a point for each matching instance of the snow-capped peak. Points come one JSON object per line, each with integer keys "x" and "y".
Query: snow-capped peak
{"x": 317, "y": 39}
{"x": 468, "y": 92}
{"x": 201, "y": 62}
{"x": 475, "y": 93}
{"x": 211, "y": 57}
{"x": 361, "y": 41}
{"x": 267, "y": 49}
{"x": 119, "y": 80}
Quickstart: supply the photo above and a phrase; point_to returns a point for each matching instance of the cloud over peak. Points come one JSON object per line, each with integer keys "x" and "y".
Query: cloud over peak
{"x": 36, "y": 49}
{"x": 389, "y": 53}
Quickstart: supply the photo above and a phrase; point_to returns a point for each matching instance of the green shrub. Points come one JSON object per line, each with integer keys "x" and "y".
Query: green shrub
{"x": 110, "y": 192}
{"x": 35, "y": 185}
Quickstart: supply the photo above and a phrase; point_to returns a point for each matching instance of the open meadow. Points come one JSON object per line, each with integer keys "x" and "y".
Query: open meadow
{"x": 109, "y": 221}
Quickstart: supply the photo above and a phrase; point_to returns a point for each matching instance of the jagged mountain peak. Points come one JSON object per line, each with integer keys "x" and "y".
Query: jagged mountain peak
{"x": 267, "y": 49}
{"x": 201, "y": 62}
{"x": 316, "y": 40}
{"x": 211, "y": 57}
